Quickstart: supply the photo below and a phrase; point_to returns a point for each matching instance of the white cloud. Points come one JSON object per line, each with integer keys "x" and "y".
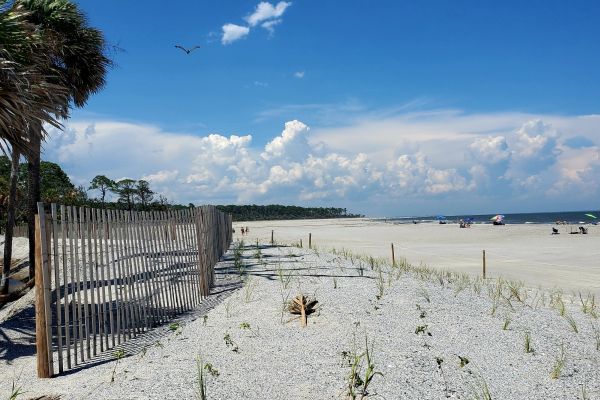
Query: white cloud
{"x": 266, "y": 11}
{"x": 490, "y": 149}
{"x": 233, "y": 32}
{"x": 292, "y": 142}
{"x": 381, "y": 162}
{"x": 299, "y": 74}
{"x": 270, "y": 25}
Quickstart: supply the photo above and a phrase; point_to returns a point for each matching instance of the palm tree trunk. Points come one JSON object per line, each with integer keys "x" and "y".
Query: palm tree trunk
{"x": 33, "y": 183}
{"x": 10, "y": 220}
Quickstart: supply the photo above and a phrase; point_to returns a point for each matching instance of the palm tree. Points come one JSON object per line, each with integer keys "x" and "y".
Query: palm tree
{"x": 27, "y": 96}
{"x": 77, "y": 54}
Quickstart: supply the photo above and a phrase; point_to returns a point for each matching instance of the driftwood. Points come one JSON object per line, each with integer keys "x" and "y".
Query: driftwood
{"x": 302, "y": 306}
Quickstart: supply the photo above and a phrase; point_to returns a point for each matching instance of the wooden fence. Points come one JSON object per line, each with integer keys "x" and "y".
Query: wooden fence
{"x": 18, "y": 231}
{"x": 105, "y": 276}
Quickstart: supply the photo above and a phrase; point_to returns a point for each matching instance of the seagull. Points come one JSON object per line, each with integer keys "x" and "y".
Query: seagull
{"x": 187, "y": 51}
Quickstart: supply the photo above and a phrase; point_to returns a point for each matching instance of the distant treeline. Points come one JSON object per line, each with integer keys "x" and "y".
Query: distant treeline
{"x": 275, "y": 211}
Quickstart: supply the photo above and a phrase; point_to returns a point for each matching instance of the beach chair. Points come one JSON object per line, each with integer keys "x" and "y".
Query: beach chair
{"x": 555, "y": 231}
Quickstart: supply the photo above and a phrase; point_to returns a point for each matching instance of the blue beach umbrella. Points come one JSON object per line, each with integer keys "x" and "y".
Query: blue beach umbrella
{"x": 440, "y": 217}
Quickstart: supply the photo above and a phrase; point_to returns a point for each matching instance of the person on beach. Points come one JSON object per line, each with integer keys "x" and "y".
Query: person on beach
{"x": 243, "y": 232}
{"x": 247, "y": 230}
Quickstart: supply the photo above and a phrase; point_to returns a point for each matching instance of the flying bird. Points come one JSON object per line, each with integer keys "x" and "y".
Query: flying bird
{"x": 187, "y": 51}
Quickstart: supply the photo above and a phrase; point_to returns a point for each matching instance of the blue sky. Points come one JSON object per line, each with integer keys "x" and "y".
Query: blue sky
{"x": 393, "y": 107}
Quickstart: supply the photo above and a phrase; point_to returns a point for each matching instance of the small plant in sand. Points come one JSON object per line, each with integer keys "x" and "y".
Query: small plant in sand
{"x": 559, "y": 363}
{"x": 528, "y": 347}
{"x": 507, "y": 321}
{"x": 556, "y": 300}
{"x": 258, "y": 254}
{"x": 477, "y": 283}
{"x": 362, "y": 370}
{"x": 249, "y": 288}
{"x": 480, "y": 390}
{"x": 596, "y": 330}
{"x": 439, "y": 361}
{"x": 463, "y": 361}
{"x": 118, "y": 355}
{"x": 230, "y": 343}
{"x": 424, "y": 294}
{"x": 238, "y": 263}
{"x": 571, "y": 322}
{"x": 15, "y": 392}
{"x": 284, "y": 277}
{"x": 174, "y": 326}
{"x": 335, "y": 283}
{"x": 203, "y": 368}
{"x": 246, "y": 326}
{"x": 462, "y": 282}
{"x": 588, "y": 306}
{"x": 422, "y": 330}
{"x": 380, "y": 284}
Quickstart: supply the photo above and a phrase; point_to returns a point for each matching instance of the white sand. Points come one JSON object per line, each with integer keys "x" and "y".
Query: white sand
{"x": 524, "y": 252}
{"x": 279, "y": 360}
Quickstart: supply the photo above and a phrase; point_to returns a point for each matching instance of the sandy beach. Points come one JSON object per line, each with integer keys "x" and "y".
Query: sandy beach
{"x": 527, "y": 252}
{"x": 430, "y": 335}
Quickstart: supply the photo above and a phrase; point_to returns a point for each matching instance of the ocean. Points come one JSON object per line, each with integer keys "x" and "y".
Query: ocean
{"x": 571, "y": 217}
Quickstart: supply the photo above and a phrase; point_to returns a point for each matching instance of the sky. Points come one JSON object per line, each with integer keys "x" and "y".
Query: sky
{"x": 387, "y": 108}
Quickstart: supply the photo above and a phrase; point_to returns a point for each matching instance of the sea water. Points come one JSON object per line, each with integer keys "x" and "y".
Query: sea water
{"x": 570, "y": 217}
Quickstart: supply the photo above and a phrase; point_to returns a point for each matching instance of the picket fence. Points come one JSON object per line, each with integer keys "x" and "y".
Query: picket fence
{"x": 105, "y": 276}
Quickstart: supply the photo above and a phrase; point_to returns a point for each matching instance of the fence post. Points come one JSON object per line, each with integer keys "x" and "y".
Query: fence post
{"x": 43, "y": 316}
{"x": 483, "y": 264}
{"x": 393, "y": 256}
{"x": 310, "y": 240}
{"x": 272, "y": 238}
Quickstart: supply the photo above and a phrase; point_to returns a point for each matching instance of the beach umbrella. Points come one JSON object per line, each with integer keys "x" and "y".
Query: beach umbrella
{"x": 440, "y": 217}
{"x": 498, "y": 217}
{"x": 590, "y": 215}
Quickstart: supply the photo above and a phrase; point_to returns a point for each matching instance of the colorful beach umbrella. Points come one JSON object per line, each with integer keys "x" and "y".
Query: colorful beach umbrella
{"x": 590, "y": 215}
{"x": 498, "y": 217}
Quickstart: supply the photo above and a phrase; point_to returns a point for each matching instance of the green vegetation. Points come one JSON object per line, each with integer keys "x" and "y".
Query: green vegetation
{"x": 362, "y": 371}
{"x": 275, "y": 211}
{"x": 559, "y": 364}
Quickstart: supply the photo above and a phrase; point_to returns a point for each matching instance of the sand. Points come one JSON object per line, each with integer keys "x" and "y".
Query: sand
{"x": 527, "y": 252}
{"x": 270, "y": 357}
{"x": 419, "y": 324}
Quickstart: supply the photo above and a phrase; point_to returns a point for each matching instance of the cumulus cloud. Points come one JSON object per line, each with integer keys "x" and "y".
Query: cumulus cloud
{"x": 447, "y": 157}
{"x": 266, "y": 11}
{"x": 233, "y": 32}
{"x": 490, "y": 149}
{"x": 299, "y": 74}
{"x": 292, "y": 143}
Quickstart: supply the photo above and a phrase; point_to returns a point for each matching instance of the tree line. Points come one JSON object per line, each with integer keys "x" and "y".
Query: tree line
{"x": 275, "y": 211}
{"x": 56, "y": 187}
